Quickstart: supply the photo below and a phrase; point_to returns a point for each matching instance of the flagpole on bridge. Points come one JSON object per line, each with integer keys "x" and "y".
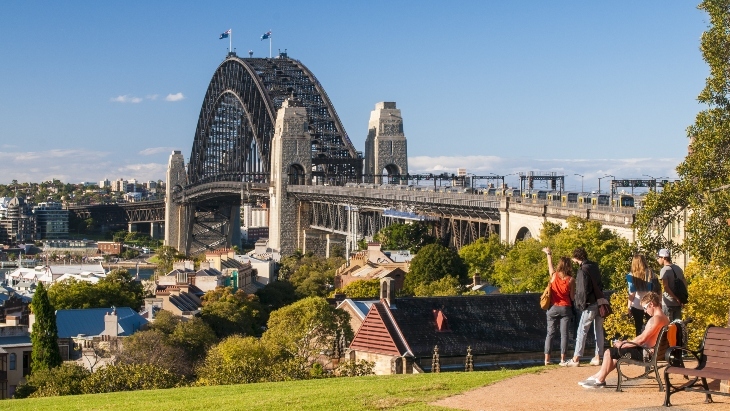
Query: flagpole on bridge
{"x": 230, "y": 41}
{"x": 269, "y": 44}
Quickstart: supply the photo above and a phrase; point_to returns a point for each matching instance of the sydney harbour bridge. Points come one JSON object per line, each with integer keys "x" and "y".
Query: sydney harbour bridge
{"x": 268, "y": 132}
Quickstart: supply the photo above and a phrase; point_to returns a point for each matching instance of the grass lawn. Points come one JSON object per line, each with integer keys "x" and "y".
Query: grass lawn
{"x": 402, "y": 392}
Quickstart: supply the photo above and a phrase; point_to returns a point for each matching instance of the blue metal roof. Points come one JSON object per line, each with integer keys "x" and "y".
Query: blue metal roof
{"x": 90, "y": 321}
{"x": 14, "y": 341}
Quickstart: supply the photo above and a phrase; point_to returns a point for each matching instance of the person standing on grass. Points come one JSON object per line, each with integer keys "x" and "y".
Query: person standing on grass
{"x": 651, "y": 303}
{"x": 671, "y": 305}
{"x": 562, "y": 293}
{"x": 585, "y": 302}
{"x": 639, "y": 281}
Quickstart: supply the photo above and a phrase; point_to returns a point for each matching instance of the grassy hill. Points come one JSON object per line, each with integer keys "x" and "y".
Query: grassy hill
{"x": 402, "y": 392}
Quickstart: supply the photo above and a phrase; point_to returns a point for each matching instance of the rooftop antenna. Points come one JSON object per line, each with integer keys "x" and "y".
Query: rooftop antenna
{"x": 250, "y": 53}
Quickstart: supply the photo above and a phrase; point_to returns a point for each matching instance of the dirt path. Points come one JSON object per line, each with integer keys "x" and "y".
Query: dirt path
{"x": 558, "y": 389}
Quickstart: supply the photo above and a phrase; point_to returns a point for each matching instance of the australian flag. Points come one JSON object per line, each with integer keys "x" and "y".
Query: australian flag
{"x": 266, "y": 35}
{"x": 225, "y": 34}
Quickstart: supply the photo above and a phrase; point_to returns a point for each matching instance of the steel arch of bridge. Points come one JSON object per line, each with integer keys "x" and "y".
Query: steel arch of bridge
{"x": 236, "y": 123}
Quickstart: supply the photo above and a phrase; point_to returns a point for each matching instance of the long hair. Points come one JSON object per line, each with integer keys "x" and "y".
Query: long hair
{"x": 565, "y": 267}
{"x": 640, "y": 273}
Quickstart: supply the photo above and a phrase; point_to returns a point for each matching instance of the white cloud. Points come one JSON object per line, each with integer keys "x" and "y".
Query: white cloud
{"x": 156, "y": 150}
{"x": 151, "y": 96}
{"x": 126, "y": 99}
{"x": 174, "y": 97}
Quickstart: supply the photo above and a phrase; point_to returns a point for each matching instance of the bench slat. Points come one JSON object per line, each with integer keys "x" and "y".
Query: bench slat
{"x": 719, "y": 360}
{"x": 715, "y": 353}
{"x": 718, "y": 331}
{"x": 714, "y": 373}
{"x": 723, "y": 345}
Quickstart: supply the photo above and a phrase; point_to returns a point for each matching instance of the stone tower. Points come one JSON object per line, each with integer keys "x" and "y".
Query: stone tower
{"x": 385, "y": 147}
{"x": 176, "y": 216}
{"x": 291, "y": 164}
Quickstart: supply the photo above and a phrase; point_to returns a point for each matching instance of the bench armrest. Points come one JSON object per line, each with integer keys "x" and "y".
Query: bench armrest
{"x": 676, "y": 352}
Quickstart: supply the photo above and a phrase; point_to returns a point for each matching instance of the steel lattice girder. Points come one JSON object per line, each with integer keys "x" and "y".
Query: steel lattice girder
{"x": 236, "y": 122}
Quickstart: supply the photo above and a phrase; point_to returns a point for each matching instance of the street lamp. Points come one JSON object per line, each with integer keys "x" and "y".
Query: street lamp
{"x": 599, "y": 182}
{"x": 581, "y": 181}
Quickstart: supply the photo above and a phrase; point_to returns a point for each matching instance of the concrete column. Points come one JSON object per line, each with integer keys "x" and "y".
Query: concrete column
{"x": 175, "y": 227}
{"x": 385, "y": 145}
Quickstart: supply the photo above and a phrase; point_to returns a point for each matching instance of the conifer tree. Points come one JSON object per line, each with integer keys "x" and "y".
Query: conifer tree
{"x": 44, "y": 336}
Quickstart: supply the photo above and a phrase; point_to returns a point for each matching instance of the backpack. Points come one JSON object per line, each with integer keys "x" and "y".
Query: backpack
{"x": 680, "y": 290}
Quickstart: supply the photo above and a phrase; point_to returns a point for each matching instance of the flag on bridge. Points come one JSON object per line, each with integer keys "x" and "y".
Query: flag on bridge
{"x": 266, "y": 35}
{"x": 225, "y": 34}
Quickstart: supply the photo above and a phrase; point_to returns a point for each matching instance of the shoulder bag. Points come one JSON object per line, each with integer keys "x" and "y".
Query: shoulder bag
{"x": 604, "y": 306}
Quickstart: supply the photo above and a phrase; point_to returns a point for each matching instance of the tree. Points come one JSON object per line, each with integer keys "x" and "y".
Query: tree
{"x": 701, "y": 197}
{"x": 152, "y": 347}
{"x": 229, "y": 313}
{"x": 194, "y": 337}
{"x": 237, "y": 360}
{"x": 303, "y": 331}
{"x": 313, "y": 275}
{"x": 130, "y": 377}
{"x": 481, "y": 255}
{"x": 362, "y": 289}
{"x": 63, "y": 380}
{"x": 432, "y": 263}
{"x": 276, "y": 294}
{"x": 44, "y": 336}
{"x": 444, "y": 286}
{"x": 164, "y": 257}
{"x": 410, "y": 236}
{"x": 117, "y": 289}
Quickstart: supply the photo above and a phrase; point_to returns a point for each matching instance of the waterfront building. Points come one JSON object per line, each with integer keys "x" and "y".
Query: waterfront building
{"x": 19, "y": 223}
{"x": 51, "y": 220}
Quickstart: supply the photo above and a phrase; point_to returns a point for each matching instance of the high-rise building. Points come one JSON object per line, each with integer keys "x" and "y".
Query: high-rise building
{"x": 18, "y": 226}
{"x": 51, "y": 220}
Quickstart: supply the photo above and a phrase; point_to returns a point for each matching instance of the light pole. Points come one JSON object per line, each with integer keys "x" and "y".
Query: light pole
{"x": 599, "y": 182}
{"x": 581, "y": 181}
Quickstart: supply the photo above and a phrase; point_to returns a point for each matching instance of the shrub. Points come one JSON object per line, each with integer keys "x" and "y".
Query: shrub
{"x": 130, "y": 377}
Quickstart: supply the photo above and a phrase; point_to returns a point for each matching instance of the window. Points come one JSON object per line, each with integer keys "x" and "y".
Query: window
{"x": 12, "y": 361}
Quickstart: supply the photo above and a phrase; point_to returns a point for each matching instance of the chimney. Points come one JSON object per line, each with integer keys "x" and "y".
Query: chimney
{"x": 386, "y": 290}
{"x": 111, "y": 323}
{"x": 12, "y": 320}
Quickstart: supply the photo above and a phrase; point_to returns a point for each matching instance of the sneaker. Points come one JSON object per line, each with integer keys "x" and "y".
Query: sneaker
{"x": 588, "y": 380}
{"x": 594, "y": 384}
{"x": 571, "y": 363}
{"x": 596, "y": 361}
{"x": 563, "y": 363}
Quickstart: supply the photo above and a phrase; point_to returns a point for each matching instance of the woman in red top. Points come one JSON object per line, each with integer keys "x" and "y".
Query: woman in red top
{"x": 562, "y": 293}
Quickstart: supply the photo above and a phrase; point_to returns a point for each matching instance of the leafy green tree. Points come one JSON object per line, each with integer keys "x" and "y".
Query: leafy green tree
{"x": 164, "y": 257}
{"x": 130, "y": 377}
{"x": 63, "y": 380}
{"x": 433, "y": 263}
{"x": 229, "y": 313}
{"x": 362, "y": 289}
{"x": 411, "y": 236}
{"x": 313, "y": 275}
{"x": 276, "y": 294}
{"x": 165, "y": 322}
{"x": 152, "y": 347}
{"x": 709, "y": 288}
{"x": 118, "y": 289}
{"x": 45, "y": 354}
{"x": 302, "y": 331}
{"x": 444, "y": 286}
{"x": 481, "y": 255}
{"x": 701, "y": 197}
{"x": 194, "y": 337}
{"x": 237, "y": 360}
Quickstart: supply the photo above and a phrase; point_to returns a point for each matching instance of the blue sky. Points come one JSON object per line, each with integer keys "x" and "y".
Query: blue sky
{"x": 92, "y": 90}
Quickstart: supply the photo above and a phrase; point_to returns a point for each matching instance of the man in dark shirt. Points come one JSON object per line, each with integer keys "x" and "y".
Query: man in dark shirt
{"x": 585, "y": 302}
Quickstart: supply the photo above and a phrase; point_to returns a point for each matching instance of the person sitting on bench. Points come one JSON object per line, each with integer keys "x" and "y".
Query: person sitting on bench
{"x": 652, "y": 304}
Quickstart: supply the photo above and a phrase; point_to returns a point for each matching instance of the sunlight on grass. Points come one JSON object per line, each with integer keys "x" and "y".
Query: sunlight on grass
{"x": 398, "y": 392}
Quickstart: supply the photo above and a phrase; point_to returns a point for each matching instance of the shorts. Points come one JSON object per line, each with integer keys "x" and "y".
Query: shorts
{"x": 636, "y": 353}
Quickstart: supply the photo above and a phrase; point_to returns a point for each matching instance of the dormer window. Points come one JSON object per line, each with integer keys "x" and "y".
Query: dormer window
{"x": 442, "y": 323}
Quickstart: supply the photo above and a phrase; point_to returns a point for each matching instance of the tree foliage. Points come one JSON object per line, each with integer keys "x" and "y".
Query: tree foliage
{"x": 701, "y": 197}
{"x": 164, "y": 257}
{"x": 524, "y": 268}
{"x": 154, "y": 348}
{"x": 361, "y": 289}
{"x": 130, "y": 377}
{"x": 302, "y": 331}
{"x": 229, "y": 313}
{"x": 118, "y": 289}
{"x": 63, "y": 380}
{"x": 481, "y": 255}
{"x": 237, "y": 360}
{"x": 45, "y": 354}
{"x": 276, "y": 294}
{"x": 709, "y": 288}
{"x": 433, "y": 263}
{"x": 411, "y": 236}
{"x": 310, "y": 275}
{"x": 444, "y": 286}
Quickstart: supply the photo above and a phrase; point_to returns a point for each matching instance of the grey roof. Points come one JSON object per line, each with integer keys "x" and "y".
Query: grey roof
{"x": 90, "y": 321}
{"x": 15, "y": 341}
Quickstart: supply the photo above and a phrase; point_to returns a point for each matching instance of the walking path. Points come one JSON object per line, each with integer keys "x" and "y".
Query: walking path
{"x": 557, "y": 388}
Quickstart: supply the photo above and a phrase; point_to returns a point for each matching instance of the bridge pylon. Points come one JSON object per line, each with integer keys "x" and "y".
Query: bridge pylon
{"x": 386, "y": 150}
{"x": 177, "y": 215}
{"x": 291, "y": 164}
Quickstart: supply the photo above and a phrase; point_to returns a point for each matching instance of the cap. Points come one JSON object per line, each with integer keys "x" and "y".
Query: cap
{"x": 664, "y": 253}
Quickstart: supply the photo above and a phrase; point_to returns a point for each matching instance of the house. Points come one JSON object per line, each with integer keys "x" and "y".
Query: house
{"x": 400, "y": 334}
{"x": 358, "y": 310}
{"x": 77, "y": 326}
{"x": 15, "y": 349}
{"x": 371, "y": 264}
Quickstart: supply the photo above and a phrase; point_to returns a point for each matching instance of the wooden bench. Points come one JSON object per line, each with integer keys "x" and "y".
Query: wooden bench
{"x": 651, "y": 364}
{"x": 713, "y": 362}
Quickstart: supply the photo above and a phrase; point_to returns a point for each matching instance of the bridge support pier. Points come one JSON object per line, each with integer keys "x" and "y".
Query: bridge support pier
{"x": 177, "y": 222}
{"x": 156, "y": 230}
